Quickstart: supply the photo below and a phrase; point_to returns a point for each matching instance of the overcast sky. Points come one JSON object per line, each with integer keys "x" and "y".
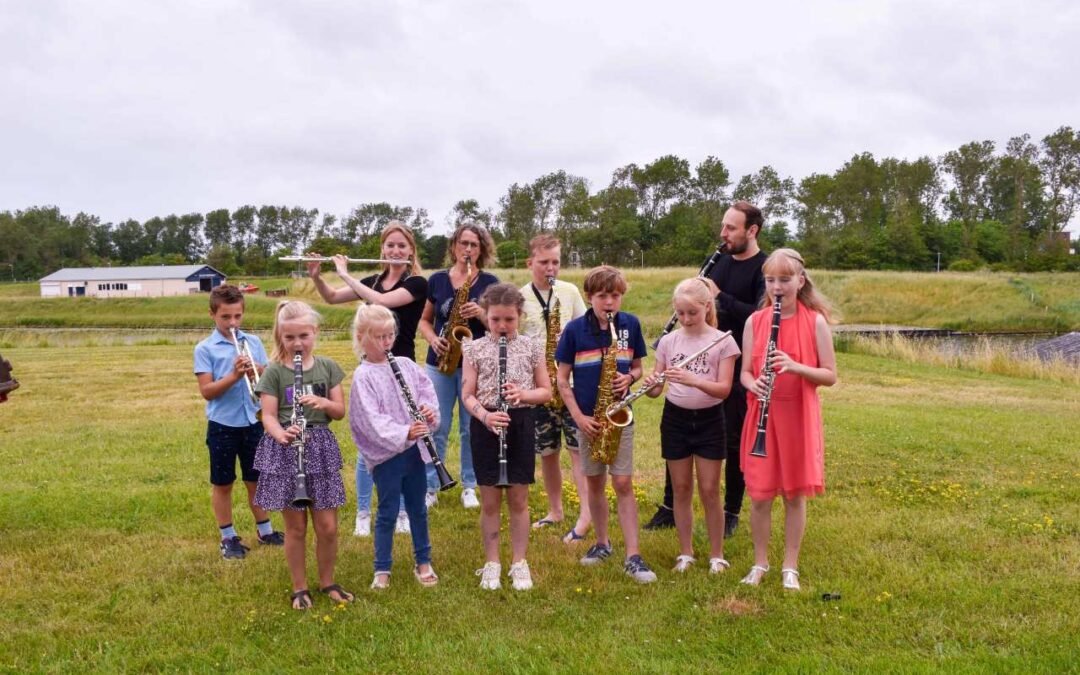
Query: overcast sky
{"x": 135, "y": 109}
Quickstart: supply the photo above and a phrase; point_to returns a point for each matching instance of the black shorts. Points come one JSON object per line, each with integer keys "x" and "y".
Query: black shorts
{"x": 520, "y": 449}
{"x": 685, "y": 432}
{"x": 227, "y": 444}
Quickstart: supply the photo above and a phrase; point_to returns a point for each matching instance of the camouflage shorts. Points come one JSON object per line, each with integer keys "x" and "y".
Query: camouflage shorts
{"x": 549, "y": 426}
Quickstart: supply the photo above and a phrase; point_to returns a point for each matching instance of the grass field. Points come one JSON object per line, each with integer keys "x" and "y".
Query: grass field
{"x": 992, "y": 302}
{"x": 951, "y": 529}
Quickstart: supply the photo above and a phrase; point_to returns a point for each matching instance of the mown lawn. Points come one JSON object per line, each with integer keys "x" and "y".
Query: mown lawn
{"x": 950, "y": 530}
{"x": 976, "y": 301}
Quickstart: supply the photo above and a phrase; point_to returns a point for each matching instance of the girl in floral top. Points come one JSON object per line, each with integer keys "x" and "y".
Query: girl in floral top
{"x": 527, "y": 385}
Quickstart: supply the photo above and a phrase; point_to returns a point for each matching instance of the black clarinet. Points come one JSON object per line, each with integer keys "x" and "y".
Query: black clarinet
{"x": 703, "y": 272}
{"x": 300, "y": 500}
{"x": 445, "y": 480}
{"x": 503, "y": 407}
{"x": 770, "y": 377}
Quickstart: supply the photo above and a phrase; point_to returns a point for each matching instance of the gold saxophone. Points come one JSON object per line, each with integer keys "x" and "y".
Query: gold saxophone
{"x": 456, "y": 329}
{"x": 606, "y": 444}
{"x": 554, "y": 326}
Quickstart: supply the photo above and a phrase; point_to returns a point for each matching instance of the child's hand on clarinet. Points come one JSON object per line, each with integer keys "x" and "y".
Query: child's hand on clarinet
{"x": 316, "y": 402}
{"x": 428, "y": 414}
{"x": 417, "y": 430}
{"x": 512, "y": 393}
{"x": 496, "y": 420}
{"x": 288, "y": 435}
{"x": 758, "y": 386}
{"x": 783, "y": 363}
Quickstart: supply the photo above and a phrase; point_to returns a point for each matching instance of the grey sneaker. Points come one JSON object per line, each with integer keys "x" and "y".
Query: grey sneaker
{"x": 232, "y": 549}
{"x": 597, "y": 554}
{"x": 636, "y": 567}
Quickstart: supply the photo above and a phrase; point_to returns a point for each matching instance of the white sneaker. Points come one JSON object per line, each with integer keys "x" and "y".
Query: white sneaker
{"x": 489, "y": 576}
{"x": 520, "y": 576}
{"x": 431, "y": 499}
{"x": 468, "y": 498}
{"x": 683, "y": 563}
{"x": 363, "y": 524}
{"x": 402, "y": 525}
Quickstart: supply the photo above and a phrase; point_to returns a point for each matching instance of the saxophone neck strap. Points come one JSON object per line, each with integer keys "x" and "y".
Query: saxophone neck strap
{"x": 545, "y": 305}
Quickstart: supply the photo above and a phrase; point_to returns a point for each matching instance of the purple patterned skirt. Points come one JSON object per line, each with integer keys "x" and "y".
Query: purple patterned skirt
{"x": 277, "y": 471}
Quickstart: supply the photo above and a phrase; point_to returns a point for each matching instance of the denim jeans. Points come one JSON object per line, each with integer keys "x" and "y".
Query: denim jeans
{"x": 364, "y": 484}
{"x": 448, "y": 391}
{"x": 401, "y": 477}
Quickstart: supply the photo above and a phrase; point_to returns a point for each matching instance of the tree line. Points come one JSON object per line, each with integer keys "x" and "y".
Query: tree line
{"x": 972, "y": 207}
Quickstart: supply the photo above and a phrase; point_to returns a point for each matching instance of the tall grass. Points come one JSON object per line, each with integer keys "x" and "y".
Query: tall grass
{"x": 983, "y": 355}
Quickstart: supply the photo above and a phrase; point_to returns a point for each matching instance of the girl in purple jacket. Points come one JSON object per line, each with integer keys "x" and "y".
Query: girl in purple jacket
{"x": 386, "y": 435}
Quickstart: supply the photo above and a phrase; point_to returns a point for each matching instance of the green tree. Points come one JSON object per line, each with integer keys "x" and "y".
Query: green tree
{"x": 218, "y": 229}
{"x": 968, "y": 200}
{"x": 1060, "y": 165}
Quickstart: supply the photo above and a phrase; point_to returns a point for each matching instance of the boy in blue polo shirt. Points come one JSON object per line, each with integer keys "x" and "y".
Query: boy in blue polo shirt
{"x": 233, "y": 429}
{"x": 580, "y": 353}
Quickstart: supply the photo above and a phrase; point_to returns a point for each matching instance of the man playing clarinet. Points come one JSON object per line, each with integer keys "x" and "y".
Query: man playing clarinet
{"x": 738, "y": 276}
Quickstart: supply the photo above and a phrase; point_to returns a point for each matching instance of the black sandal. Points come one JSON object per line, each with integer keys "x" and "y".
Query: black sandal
{"x": 304, "y": 598}
{"x": 342, "y": 593}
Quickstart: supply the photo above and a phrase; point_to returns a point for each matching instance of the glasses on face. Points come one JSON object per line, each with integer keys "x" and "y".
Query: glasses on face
{"x": 469, "y": 244}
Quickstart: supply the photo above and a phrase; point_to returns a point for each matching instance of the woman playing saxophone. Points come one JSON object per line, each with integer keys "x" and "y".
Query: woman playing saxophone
{"x": 452, "y": 296}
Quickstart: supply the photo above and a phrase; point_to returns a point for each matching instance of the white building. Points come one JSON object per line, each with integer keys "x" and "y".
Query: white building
{"x": 130, "y": 282}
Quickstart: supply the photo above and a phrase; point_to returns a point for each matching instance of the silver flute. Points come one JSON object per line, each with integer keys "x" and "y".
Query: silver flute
{"x": 355, "y": 261}
{"x": 624, "y": 420}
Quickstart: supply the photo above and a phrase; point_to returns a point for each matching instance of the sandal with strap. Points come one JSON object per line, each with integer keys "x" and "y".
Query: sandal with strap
{"x": 790, "y": 578}
{"x": 572, "y": 536}
{"x": 427, "y": 580}
{"x": 683, "y": 563}
{"x": 753, "y": 577}
{"x": 342, "y": 594}
{"x": 301, "y": 600}
{"x": 718, "y": 565}
{"x": 381, "y": 581}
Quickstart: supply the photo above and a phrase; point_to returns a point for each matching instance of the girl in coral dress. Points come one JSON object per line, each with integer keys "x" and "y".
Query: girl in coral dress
{"x": 794, "y": 465}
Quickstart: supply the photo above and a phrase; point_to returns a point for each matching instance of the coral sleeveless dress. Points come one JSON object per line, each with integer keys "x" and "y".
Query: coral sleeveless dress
{"x": 794, "y": 439}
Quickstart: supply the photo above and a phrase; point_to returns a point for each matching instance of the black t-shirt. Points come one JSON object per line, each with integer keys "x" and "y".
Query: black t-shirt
{"x": 408, "y": 315}
{"x": 742, "y": 285}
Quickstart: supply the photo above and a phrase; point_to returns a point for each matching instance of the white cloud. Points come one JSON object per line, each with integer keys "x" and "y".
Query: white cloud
{"x": 131, "y": 109}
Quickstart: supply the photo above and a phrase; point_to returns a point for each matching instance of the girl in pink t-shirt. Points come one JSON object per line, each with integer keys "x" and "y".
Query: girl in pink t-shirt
{"x": 692, "y": 426}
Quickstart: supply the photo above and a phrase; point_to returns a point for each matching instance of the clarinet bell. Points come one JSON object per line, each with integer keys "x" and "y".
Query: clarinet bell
{"x": 504, "y": 481}
{"x": 446, "y": 481}
{"x": 759, "y": 445}
{"x": 301, "y": 500}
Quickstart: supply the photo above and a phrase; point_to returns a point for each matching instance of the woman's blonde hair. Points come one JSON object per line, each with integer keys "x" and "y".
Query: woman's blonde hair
{"x": 487, "y": 256}
{"x": 291, "y": 310}
{"x": 367, "y": 318}
{"x": 702, "y": 291}
{"x": 787, "y": 261}
{"x": 406, "y": 231}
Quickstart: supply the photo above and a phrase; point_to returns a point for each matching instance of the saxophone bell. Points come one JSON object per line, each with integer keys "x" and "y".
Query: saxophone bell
{"x": 456, "y": 329}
